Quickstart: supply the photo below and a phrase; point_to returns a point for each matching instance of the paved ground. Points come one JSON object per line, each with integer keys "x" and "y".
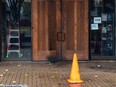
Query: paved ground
{"x": 38, "y": 74}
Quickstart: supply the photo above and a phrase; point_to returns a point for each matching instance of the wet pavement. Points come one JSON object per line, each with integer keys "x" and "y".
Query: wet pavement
{"x": 46, "y": 74}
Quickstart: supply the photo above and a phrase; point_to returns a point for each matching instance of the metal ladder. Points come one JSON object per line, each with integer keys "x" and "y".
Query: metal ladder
{"x": 13, "y": 40}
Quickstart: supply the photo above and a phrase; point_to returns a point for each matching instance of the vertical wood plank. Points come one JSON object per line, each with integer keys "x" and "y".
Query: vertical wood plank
{"x": 70, "y": 25}
{"x": 46, "y": 25}
{"x": 75, "y": 25}
{"x": 82, "y": 29}
{"x": 58, "y": 28}
{"x": 63, "y": 26}
{"x": 52, "y": 25}
{"x": 40, "y": 22}
{"x": 86, "y": 30}
{"x": 35, "y": 29}
{"x": 43, "y": 28}
{"x": 81, "y": 24}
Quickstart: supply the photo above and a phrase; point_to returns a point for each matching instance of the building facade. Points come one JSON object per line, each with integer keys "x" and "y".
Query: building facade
{"x": 55, "y": 29}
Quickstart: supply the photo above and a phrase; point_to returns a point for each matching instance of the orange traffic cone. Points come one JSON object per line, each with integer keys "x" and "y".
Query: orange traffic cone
{"x": 75, "y": 85}
{"x": 75, "y": 75}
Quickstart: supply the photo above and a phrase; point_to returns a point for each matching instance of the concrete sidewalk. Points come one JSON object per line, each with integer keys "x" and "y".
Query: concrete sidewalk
{"x": 37, "y": 74}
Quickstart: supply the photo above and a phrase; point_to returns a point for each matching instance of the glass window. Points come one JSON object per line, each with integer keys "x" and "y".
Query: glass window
{"x": 102, "y": 27}
{"x": 16, "y": 29}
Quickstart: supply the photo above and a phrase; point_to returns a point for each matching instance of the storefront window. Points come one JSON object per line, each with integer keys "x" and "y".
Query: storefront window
{"x": 102, "y": 27}
{"x": 16, "y": 30}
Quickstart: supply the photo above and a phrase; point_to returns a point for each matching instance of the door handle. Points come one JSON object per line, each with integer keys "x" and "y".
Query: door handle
{"x": 60, "y": 36}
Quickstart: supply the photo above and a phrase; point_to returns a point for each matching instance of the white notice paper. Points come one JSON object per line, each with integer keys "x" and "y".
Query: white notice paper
{"x": 94, "y": 26}
{"x": 97, "y": 20}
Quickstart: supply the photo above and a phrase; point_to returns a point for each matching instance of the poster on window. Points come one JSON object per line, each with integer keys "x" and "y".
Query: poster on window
{"x": 97, "y": 20}
{"x": 94, "y": 26}
{"x": 104, "y": 17}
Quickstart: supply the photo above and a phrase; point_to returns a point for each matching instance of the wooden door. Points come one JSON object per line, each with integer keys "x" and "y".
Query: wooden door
{"x": 60, "y": 27}
{"x": 46, "y": 21}
{"x": 75, "y": 27}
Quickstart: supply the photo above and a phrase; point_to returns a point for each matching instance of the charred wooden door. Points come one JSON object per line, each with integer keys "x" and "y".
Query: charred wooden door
{"x": 59, "y": 28}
